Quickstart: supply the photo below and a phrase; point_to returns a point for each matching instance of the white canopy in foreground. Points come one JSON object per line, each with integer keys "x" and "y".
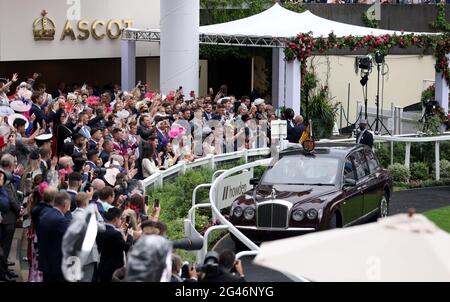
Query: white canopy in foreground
{"x": 397, "y": 248}
{"x": 278, "y": 22}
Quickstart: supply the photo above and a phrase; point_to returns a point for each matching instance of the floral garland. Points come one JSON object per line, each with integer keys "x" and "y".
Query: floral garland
{"x": 427, "y": 94}
{"x": 303, "y": 45}
{"x": 368, "y": 22}
{"x": 441, "y": 23}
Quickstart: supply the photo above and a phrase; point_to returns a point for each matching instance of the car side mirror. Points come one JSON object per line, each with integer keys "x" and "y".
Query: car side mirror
{"x": 254, "y": 181}
{"x": 349, "y": 182}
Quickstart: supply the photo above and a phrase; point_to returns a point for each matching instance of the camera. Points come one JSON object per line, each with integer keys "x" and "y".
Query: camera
{"x": 99, "y": 172}
{"x": 7, "y": 176}
{"x": 210, "y": 264}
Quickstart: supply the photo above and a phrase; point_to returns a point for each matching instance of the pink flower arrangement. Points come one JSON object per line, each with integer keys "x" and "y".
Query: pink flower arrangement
{"x": 176, "y": 132}
{"x": 93, "y": 100}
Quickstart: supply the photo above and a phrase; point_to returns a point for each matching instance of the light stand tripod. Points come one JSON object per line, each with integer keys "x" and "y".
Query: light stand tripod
{"x": 365, "y": 83}
{"x": 378, "y": 121}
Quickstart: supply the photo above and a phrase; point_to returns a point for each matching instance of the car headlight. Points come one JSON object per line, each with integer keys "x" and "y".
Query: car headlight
{"x": 237, "y": 212}
{"x": 312, "y": 214}
{"x": 298, "y": 215}
{"x": 249, "y": 213}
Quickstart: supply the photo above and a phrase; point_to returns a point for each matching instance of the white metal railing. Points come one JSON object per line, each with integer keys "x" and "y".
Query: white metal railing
{"x": 407, "y": 139}
{"x": 157, "y": 179}
{"x": 213, "y": 196}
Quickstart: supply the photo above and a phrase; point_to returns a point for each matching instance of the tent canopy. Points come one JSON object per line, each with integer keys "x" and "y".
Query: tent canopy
{"x": 281, "y": 24}
{"x": 270, "y": 28}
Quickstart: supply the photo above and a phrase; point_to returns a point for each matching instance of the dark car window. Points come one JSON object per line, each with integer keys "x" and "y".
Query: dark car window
{"x": 362, "y": 169}
{"x": 349, "y": 170}
{"x": 371, "y": 160}
{"x": 295, "y": 169}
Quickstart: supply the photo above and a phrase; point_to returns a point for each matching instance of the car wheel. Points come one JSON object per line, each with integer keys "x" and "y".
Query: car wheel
{"x": 384, "y": 206}
{"x": 333, "y": 222}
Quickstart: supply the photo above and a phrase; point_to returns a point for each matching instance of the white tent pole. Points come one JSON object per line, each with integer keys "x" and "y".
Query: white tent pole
{"x": 441, "y": 90}
{"x": 252, "y": 85}
{"x": 128, "y": 64}
{"x": 278, "y": 77}
{"x": 180, "y": 23}
{"x": 293, "y": 85}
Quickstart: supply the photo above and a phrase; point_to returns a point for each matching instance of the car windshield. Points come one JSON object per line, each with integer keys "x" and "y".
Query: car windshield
{"x": 302, "y": 170}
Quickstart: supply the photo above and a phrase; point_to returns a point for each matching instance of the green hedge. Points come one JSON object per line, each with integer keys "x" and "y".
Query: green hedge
{"x": 399, "y": 173}
{"x": 420, "y": 152}
{"x": 445, "y": 168}
{"x": 419, "y": 171}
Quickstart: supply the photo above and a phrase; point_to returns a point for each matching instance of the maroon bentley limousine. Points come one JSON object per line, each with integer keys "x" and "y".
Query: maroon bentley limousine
{"x": 302, "y": 192}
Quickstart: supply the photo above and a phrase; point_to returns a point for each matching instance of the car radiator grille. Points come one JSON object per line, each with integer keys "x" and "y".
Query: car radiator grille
{"x": 272, "y": 215}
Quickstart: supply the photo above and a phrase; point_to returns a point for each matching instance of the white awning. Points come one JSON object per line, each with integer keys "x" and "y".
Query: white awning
{"x": 270, "y": 28}
{"x": 278, "y": 22}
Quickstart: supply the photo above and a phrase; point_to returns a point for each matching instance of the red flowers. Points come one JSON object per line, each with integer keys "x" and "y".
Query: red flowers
{"x": 303, "y": 45}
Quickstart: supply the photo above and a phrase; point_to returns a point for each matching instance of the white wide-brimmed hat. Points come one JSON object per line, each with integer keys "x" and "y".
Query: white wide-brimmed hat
{"x": 111, "y": 175}
{"x": 258, "y": 102}
{"x": 5, "y": 111}
{"x": 15, "y": 116}
{"x": 44, "y": 137}
{"x": 114, "y": 164}
{"x": 123, "y": 114}
{"x": 19, "y": 106}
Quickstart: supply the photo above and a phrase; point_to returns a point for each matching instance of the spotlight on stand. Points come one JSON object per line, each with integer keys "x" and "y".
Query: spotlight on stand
{"x": 364, "y": 80}
{"x": 379, "y": 58}
{"x": 364, "y": 63}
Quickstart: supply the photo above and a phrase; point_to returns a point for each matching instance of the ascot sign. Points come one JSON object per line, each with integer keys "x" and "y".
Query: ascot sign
{"x": 44, "y": 29}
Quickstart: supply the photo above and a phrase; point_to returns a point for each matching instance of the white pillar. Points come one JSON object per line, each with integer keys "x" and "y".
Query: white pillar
{"x": 437, "y": 160}
{"x": 278, "y": 77}
{"x": 293, "y": 85}
{"x": 180, "y": 22}
{"x": 128, "y": 64}
{"x": 441, "y": 90}
{"x": 407, "y": 155}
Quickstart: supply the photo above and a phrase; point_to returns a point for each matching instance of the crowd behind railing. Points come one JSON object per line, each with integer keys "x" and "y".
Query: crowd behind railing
{"x": 76, "y": 147}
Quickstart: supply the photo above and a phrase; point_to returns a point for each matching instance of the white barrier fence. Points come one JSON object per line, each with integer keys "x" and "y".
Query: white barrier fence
{"x": 157, "y": 179}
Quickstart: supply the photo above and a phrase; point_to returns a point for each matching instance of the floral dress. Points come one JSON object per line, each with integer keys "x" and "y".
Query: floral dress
{"x": 34, "y": 275}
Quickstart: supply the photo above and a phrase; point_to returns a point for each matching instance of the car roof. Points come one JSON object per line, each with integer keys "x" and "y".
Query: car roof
{"x": 337, "y": 150}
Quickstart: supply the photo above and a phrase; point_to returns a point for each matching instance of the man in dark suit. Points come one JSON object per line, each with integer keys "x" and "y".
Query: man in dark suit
{"x": 4, "y": 208}
{"x": 75, "y": 181}
{"x": 53, "y": 225}
{"x": 227, "y": 262}
{"x": 8, "y": 164}
{"x": 41, "y": 208}
{"x": 37, "y": 98}
{"x": 111, "y": 245}
{"x": 364, "y": 136}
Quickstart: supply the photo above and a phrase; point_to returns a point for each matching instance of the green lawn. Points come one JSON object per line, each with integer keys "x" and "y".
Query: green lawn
{"x": 441, "y": 217}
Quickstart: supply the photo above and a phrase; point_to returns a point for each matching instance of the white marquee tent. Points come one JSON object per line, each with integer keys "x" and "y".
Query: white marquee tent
{"x": 278, "y": 22}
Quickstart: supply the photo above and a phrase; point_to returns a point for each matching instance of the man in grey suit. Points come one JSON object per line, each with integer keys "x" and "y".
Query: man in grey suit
{"x": 8, "y": 164}
{"x": 82, "y": 200}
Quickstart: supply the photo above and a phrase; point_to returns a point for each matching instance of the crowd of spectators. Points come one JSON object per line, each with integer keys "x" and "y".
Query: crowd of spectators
{"x": 64, "y": 151}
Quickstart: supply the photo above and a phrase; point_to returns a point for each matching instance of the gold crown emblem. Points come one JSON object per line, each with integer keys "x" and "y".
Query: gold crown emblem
{"x": 44, "y": 28}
